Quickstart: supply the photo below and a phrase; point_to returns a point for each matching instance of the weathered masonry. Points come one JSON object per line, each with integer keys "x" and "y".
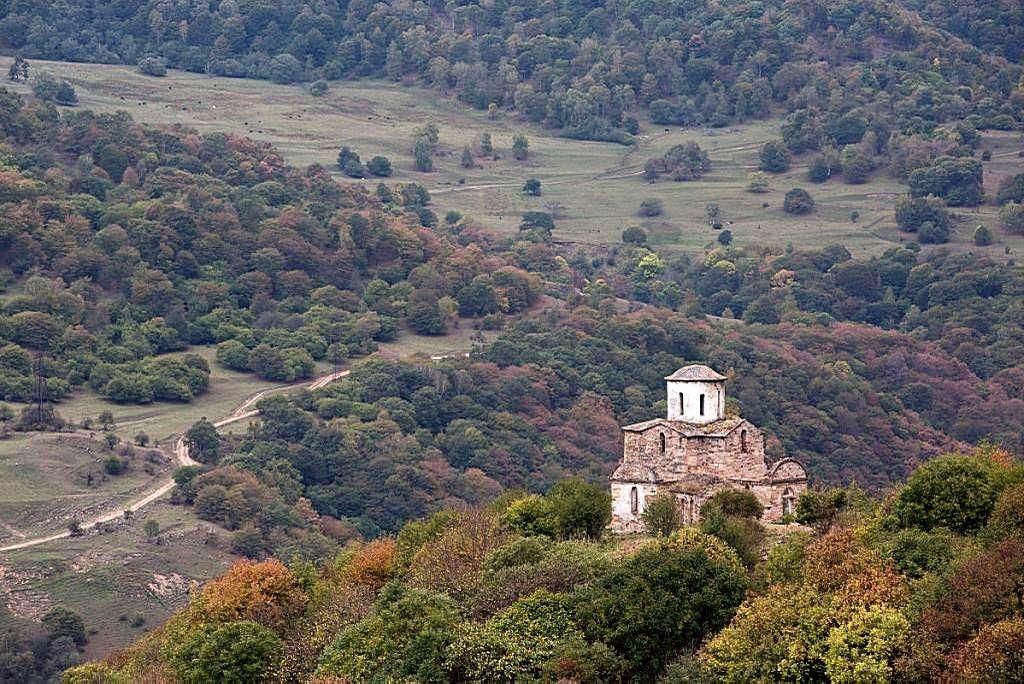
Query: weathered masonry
{"x": 695, "y": 451}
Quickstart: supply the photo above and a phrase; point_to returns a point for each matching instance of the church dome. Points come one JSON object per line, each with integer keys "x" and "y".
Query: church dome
{"x": 696, "y": 372}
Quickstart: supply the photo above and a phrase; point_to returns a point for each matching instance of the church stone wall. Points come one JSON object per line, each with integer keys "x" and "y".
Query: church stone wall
{"x": 623, "y": 518}
{"x": 733, "y": 457}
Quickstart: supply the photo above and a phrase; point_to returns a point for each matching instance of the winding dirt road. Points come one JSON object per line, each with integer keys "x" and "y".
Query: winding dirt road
{"x": 182, "y": 458}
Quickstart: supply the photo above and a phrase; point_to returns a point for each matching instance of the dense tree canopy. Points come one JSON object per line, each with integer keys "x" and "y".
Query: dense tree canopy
{"x": 578, "y": 67}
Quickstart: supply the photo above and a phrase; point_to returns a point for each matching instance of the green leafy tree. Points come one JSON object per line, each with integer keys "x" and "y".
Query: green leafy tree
{"x": 203, "y": 441}
{"x": 1011, "y": 218}
{"x": 531, "y": 516}
{"x": 423, "y": 155}
{"x": 1011, "y": 189}
{"x": 285, "y": 68}
{"x": 235, "y": 652}
{"x": 657, "y": 603}
{"x": 520, "y": 147}
{"x": 982, "y": 236}
{"x": 774, "y": 157}
{"x": 61, "y": 622}
{"x": 350, "y": 164}
{"x": 406, "y": 638}
{"x": 661, "y": 515}
{"x": 820, "y": 508}
{"x": 50, "y": 89}
{"x": 741, "y": 503}
{"x": 580, "y": 509}
{"x": 379, "y": 166}
{"x": 864, "y": 648}
{"x": 956, "y": 492}
{"x": 634, "y": 235}
{"x": 798, "y": 201}
{"x": 913, "y": 212}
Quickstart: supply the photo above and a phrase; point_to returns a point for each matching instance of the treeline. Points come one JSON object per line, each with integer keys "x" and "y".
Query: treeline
{"x": 120, "y": 244}
{"x": 995, "y": 27}
{"x": 968, "y": 304}
{"x": 921, "y": 586}
{"x": 582, "y": 68}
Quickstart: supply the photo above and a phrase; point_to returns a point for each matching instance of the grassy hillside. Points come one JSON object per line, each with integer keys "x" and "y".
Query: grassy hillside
{"x": 594, "y": 189}
{"x": 48, "y": 479}
{"x": 121, "y": 581}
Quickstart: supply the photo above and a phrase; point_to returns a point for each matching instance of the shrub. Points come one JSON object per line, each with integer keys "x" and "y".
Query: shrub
{"x": 152, "y": 66}
{"x": 725, "y": 237}
{"x": 114, "y": 465}
{"x": 532, "y": 187}
{"x": 634, "y": 235}
{"x": 318, "y": 88}
{"x": 735, "y": 502}
{"x": 530, "y": 516}
{"x": 580, "y": 509}
{"x": 61, "y": 622}
{"x": 982, "y": 236}
{"x": 1011, "y": 218}
{"x": 379, "y": 166}
{"x": 758, "y": 183}
{"x": 913, "y": 212}
{"x": 798, "y": 201}
{"x": 661, "y": 515}
{"x": 774, "y": 157}
{"x": 651, "y": 207}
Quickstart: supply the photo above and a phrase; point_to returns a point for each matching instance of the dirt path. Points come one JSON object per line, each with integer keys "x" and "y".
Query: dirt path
{"x": 182, "y": 458}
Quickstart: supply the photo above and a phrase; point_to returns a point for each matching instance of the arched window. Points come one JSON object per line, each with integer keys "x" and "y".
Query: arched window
{"x": 788, "y": 502}
{"x": 661, "y": 442}
{"x": 743, "y": 441}
{"x": 634, "y": 501}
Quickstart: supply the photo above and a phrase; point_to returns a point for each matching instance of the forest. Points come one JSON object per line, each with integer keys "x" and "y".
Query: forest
{"x": 921, "y": 585}
{"x": 445, "y": 519}
{"x": 583, "y": 68}
{"x": 123, "y": 243}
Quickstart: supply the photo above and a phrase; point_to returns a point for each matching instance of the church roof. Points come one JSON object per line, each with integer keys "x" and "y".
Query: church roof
{"x": 696, "y": 372}
{"x": 633, "y": 472}
{"x": 719, "y": 428}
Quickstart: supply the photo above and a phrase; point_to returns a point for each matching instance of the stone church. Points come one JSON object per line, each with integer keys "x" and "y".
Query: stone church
{"x": 695, "y": 451}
